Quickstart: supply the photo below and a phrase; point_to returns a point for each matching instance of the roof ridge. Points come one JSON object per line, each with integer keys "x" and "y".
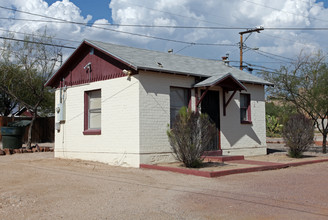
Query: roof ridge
{"x": 149, "y": 50}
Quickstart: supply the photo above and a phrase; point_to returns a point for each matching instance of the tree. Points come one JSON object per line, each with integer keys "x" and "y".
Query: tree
{"x": 305, "y": 85}
{"x": 7, "y": 104}
{"x": 25, "y": 68}
{"x": 276, "y": 115}
{"x": 190, "y": 136}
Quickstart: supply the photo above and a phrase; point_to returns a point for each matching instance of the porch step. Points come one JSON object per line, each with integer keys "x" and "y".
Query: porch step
{"x": 212, "y": 153}
{"x": 222, "y": 158}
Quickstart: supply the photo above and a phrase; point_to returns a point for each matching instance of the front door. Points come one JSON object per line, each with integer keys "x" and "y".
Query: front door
{"x": 211, "y": 106}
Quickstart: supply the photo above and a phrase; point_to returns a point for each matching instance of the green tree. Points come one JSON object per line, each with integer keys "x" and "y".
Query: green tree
{"x": 276, "y": 115}
{"x": 25, "y": 68}
{"x": 305, "y": 85}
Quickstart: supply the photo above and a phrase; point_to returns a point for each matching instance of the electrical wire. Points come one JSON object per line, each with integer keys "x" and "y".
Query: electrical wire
{"x": 38, "y": 35}
{"x": 153, "y": 26}
{"x": 35, "y": 42}
{"x": 271, "y": 57}
{"x": 261, "y": 51}
{"x": 123, "y": 32}
{"x": 171, "y": 26}
{"x": 276, "y": 9}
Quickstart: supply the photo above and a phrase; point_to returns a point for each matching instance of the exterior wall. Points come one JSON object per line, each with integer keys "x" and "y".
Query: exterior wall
{"x": 154, "y": 114}
{"x": 118, "y": 143}
{"x": 244, "y": 139}
{"x": 135, "y": 117}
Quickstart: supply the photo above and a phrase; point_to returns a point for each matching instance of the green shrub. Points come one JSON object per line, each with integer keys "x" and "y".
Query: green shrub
{"x": 298, "y": 133}
{"x": 273, "y": 127}
{"x": 190, "y": 135}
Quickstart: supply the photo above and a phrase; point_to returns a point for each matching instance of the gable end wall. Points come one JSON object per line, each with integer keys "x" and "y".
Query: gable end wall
{"x": 118, "y": 143}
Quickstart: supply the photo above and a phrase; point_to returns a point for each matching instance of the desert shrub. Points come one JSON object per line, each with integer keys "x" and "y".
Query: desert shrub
{"x": 190, "y": 135}
{"x": 298, "y": 133}
{"x": 273, "y": 127}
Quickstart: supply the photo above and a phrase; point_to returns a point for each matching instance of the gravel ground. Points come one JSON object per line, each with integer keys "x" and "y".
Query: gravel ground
{"x": 37, "y": 186}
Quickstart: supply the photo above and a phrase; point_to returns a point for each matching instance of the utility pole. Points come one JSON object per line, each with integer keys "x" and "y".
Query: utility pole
{"x": 242, "y": 43}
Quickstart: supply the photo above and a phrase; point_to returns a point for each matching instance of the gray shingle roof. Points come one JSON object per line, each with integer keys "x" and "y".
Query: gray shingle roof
{"x": 158, "y": 61}
{"x": 213, "y": 80}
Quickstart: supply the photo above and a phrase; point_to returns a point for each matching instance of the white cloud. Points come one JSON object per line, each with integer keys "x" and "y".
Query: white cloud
{"x": 232, "y": 13}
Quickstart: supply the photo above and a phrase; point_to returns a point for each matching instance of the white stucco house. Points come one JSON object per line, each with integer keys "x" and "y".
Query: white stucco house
{"x": 114, "y": 104}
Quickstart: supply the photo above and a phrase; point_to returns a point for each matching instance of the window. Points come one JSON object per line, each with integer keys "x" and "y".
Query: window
{"x": 245, "y": 108}
{"x": 179, "y": 97}
{"x": 92, "y": 112}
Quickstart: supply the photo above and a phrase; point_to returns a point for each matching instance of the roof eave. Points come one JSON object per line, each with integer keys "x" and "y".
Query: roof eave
{"x": 86, "y": 42}
{"x": 257, "y": 83}
{"x": 52, "y": 78}
{"x": 239, "y": 85}
{"x": 169, "y": 71}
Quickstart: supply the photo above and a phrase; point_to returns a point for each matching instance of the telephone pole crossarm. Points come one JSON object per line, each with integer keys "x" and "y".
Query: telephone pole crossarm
{"x": 242, "y": 43}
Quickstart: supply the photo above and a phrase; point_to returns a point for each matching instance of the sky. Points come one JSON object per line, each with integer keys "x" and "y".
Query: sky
{"x": 267, "y": 50}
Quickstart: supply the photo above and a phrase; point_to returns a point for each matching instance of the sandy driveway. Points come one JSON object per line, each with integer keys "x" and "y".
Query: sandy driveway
{"x": 36, "y": 186}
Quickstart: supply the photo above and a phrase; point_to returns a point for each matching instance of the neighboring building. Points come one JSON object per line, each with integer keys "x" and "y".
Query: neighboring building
{"x": 114, "y": 104}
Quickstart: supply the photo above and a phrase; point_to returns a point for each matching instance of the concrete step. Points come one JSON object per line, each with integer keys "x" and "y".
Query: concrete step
{"x": 222, "y": 158}
{"x": 212, "y": 153}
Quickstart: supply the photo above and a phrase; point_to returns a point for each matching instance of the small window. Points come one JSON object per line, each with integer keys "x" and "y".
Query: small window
{"x": 245, "y": 108}
{"x": 92, "y": 112}
{"x": 179, "y": 97}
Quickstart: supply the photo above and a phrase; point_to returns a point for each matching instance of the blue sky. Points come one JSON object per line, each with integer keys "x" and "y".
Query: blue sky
{"x": 97, "y": 8}
{"x": 325, "y": 2}
{"x": 276, "y": 47}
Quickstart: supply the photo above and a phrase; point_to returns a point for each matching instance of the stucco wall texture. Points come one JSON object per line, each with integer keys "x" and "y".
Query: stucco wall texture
{"x": 118, "y": 143}
{"x": 135, "y": 114}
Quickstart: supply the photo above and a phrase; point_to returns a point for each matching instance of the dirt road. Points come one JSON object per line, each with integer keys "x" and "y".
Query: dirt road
{"x": 37, "y": 186}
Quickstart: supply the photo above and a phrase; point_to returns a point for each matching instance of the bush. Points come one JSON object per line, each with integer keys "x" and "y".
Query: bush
{"x": 273, "y": 127}
{"x": 190, "y": 136}
{"x": 298, "y": 133}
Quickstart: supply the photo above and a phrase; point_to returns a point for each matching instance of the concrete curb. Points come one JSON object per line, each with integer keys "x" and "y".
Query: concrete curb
{"x": 210, "y": 174}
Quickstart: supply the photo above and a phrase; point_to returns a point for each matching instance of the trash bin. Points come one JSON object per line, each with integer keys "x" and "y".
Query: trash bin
{"x": 12, "y": 135}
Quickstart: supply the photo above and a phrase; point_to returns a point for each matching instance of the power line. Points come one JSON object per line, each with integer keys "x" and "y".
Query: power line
{"x": 178, "y": 15}
{"x": 123, "y": 32}
{"x": 35, "y": 42}
{"x": 271, "y": 57}
{"x": 172, "y": 26}
{"x": 189, "y": 43}
{"x": 251, "y": 61}
{"x": 268, "y": 53}
{"x": 32, "y": 57}
{"x": 277, "y": 9}
{"x": 276, "y": 55}
{"x": 249, "y": 64}
{"x": 37, "y": 35}
{"x": 185, "y": 47}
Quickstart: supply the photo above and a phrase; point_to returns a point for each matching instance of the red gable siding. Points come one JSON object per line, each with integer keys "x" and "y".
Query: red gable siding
{"x": 103, "y": 67}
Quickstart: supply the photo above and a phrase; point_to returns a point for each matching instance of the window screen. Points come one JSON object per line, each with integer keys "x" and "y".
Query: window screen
{"x": 179, "y": 97}
{"x": 94, "y": 109}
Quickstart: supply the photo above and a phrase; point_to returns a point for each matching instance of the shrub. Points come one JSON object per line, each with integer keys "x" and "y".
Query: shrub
{"x": 190, "y": 135}
{"x": 298, "y": 133}
{"x": 273, "y": 127}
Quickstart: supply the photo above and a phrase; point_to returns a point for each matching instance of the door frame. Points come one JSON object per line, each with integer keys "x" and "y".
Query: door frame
{"x": 218, "y": 147}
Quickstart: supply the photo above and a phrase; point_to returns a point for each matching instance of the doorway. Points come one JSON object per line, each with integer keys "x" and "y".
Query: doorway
{"x": 211, "y": 106}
